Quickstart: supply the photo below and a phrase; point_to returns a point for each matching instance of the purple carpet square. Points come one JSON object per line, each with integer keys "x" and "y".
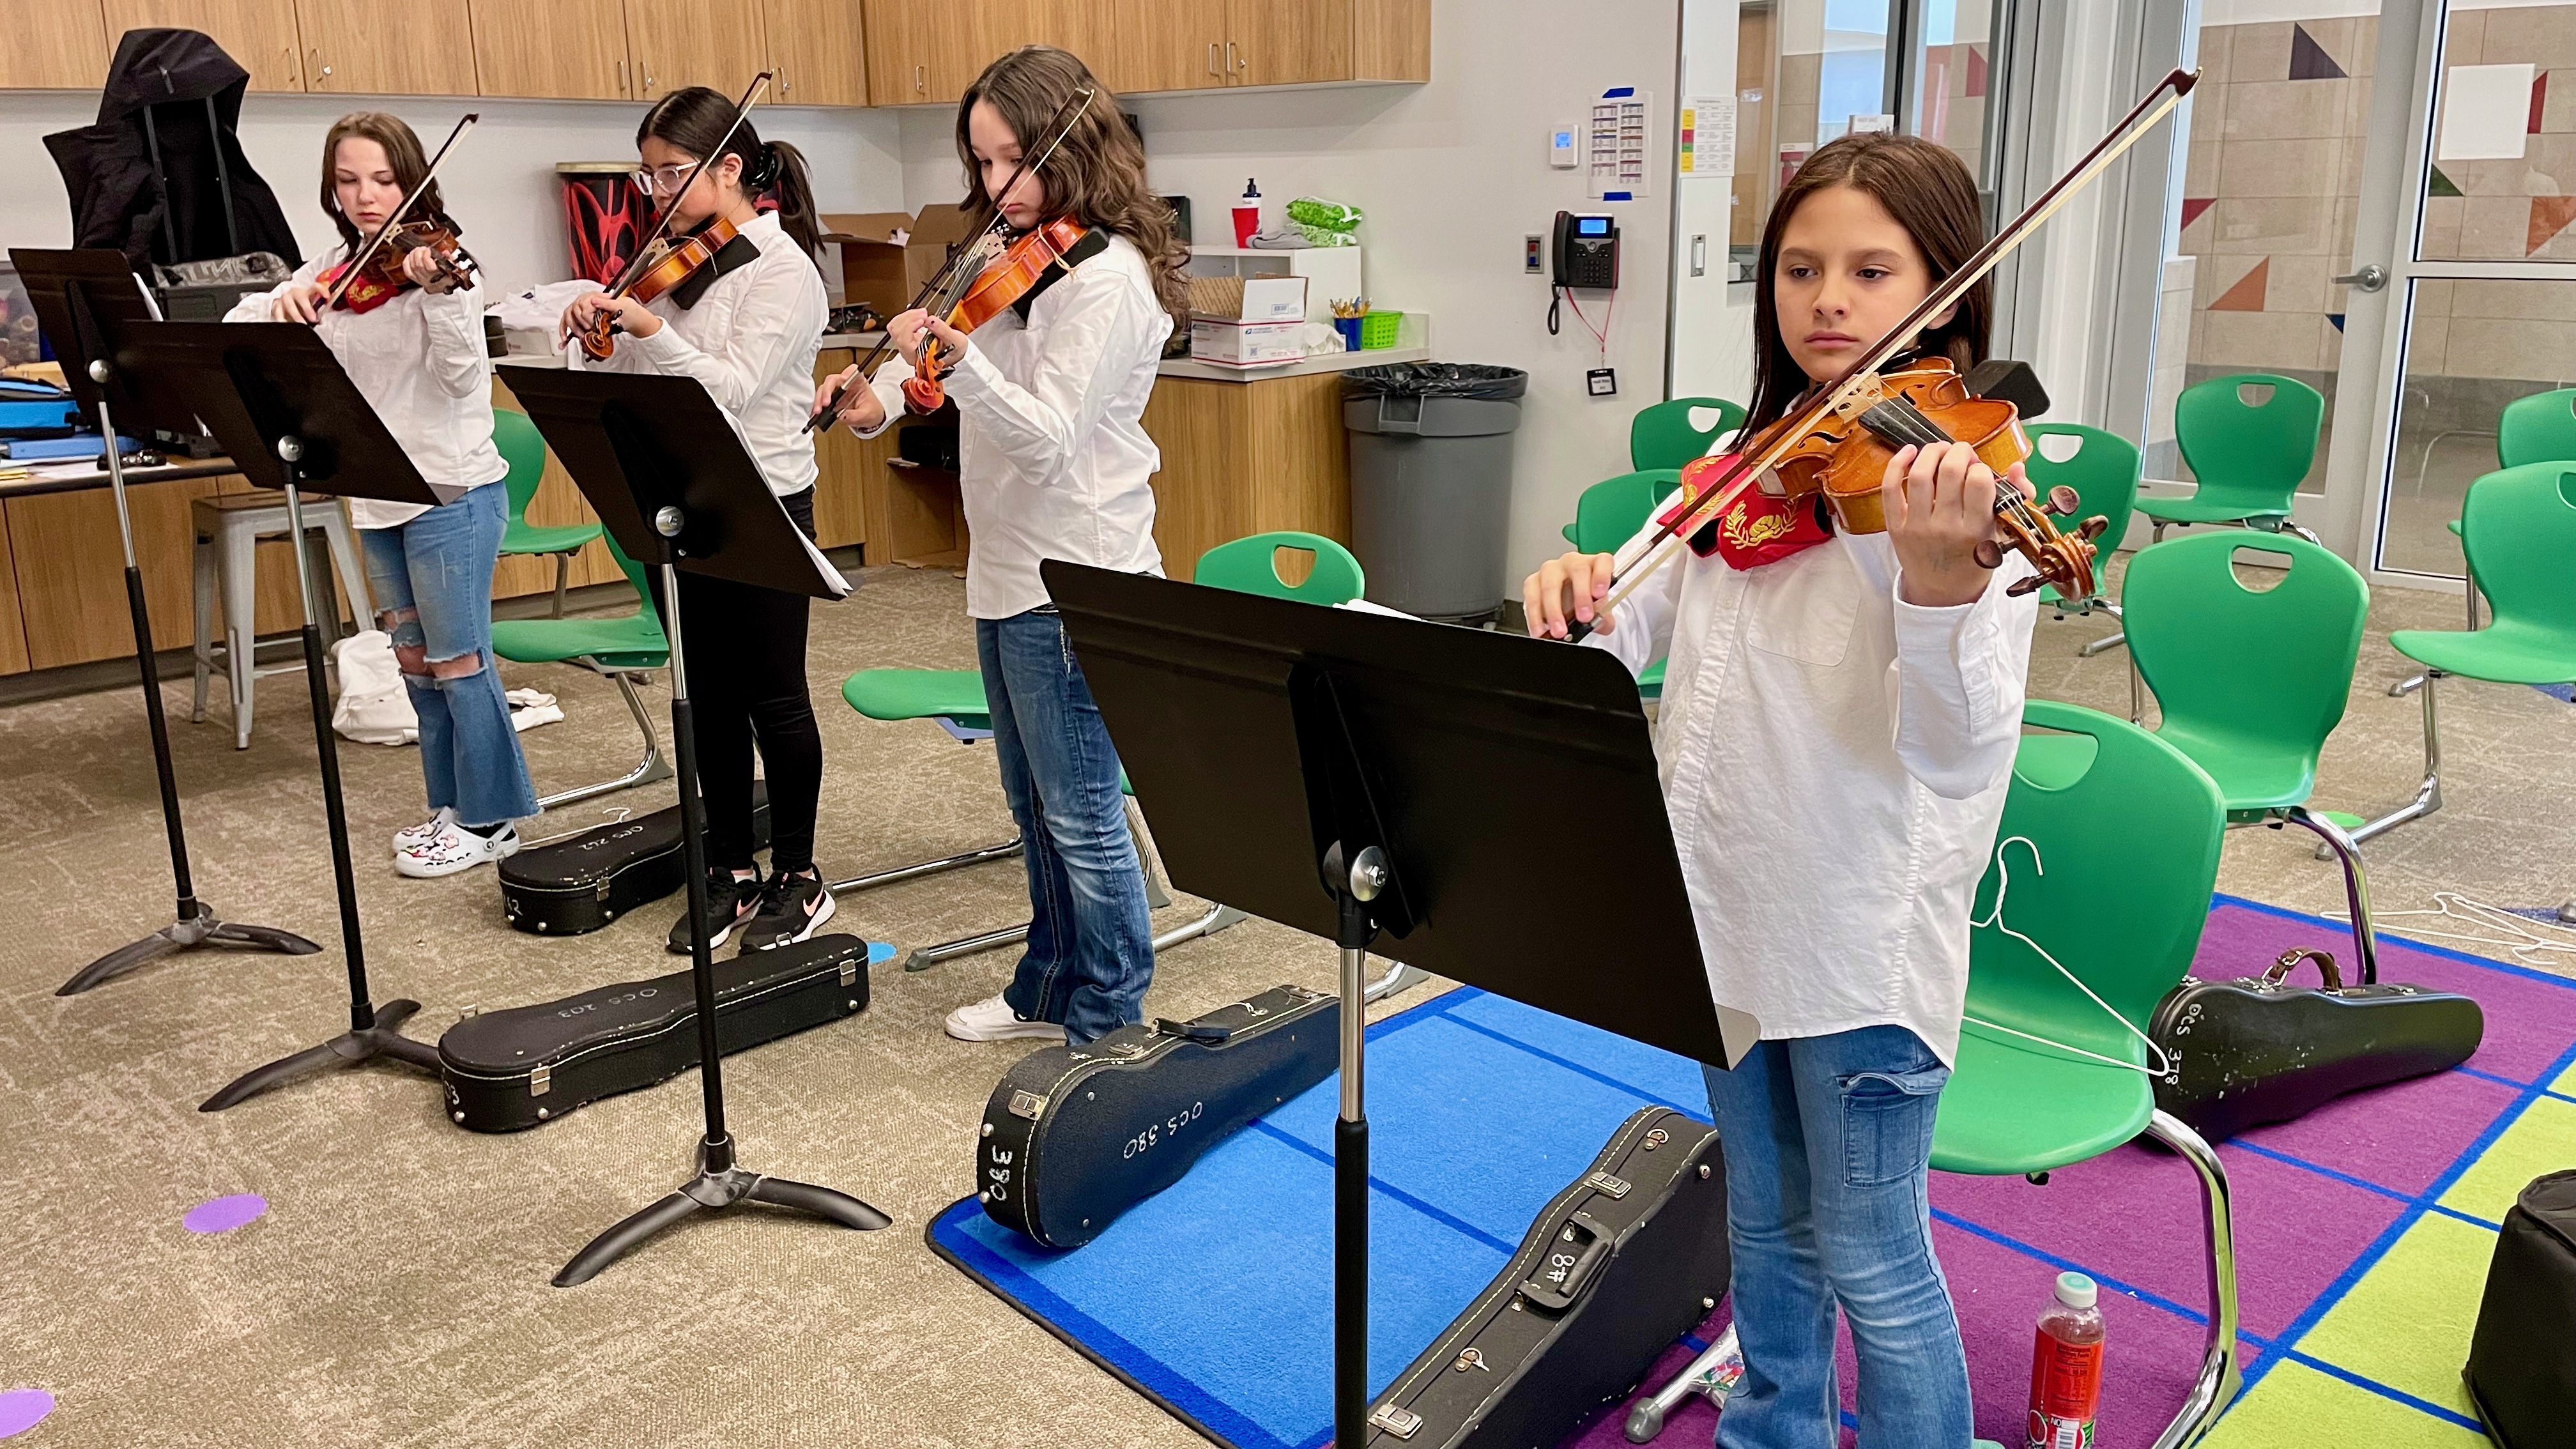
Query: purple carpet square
{"x": 2134, "y": 1216}
{"x": 2400, "y": 1136}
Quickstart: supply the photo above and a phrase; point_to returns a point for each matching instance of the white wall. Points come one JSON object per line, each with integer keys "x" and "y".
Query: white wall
{"x": 1452, "y": 176}
{"x": 500, "y": 182}
{"x": 1712, "y": 326}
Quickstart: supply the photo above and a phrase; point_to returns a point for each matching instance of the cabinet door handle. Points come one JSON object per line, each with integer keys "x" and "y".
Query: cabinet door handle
{"x": 1232, "y": 65}
{"x": 647, "y": 69}
{"x": 621, "y": 80}
{"x": 1211, "y": 65}
{"x": 784, "y": 84}
{"x": 921, "y": 79}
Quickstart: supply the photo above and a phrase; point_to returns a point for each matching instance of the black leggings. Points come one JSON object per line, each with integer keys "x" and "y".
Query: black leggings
{"x": 746, "y": 660}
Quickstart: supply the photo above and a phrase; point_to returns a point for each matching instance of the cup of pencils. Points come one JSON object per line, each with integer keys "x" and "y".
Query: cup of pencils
{"x": 1346, "y": 321}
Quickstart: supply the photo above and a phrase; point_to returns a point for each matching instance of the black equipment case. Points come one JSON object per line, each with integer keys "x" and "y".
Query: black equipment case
{"x": 2522, "y": 1358}
{"x": 585, "y": 881}
{"x": 1617, "y": 1267}
{"x": 1074, "y": 1136}
{"x": 2255, "y": 1050}
{"x": 508, "y": 1070}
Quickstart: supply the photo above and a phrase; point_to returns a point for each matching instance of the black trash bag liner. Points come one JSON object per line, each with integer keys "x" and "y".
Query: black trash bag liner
{"x": 1436, "y": 379}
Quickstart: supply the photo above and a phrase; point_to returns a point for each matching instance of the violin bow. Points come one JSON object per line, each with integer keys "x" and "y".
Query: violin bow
{"x": 1080, "y": 103}
{"x": 1629, "y": 572}
{"x": 349, "y": 273}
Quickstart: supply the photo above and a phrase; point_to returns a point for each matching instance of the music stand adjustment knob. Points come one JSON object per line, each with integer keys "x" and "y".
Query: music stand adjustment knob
{"x": 1368, "y": 874}
{"x": 667, "y": 520}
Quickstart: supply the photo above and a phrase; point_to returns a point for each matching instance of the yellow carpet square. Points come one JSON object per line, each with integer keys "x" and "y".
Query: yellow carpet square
{"x": 2566, "y": 1083}
{"x": 2542, "y": 1140}
{"x": 2406, "y": 1324}
{"x": 2295, "y": 1404}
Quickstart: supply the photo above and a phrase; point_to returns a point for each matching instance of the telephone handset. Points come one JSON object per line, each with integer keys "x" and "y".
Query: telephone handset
{"x": 1587, "y": 252}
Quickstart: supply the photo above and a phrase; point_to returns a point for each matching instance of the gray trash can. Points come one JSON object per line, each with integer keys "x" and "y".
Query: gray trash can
{"x": 1431, "y": 482}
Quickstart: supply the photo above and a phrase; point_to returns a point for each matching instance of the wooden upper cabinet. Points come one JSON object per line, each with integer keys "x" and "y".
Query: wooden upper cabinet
{"x": 680, "y": 43}
{"x": 52, "y": 45}
{"x": 260, "y": 34}
{"x": 400, "y": 50}
{"x": 898, "y": 67}
{"x": 572, "y": 49}
{"x": 1158, "y": 45}
{"x": 817, "y": 50}
{"x": 1271, "y": 43}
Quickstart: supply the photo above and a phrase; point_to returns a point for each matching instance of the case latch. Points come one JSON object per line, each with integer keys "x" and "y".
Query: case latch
{"x": 1027, "y": 1104}
{"x": 1402, "y": 1423}
{"x": 541, "y": 1081}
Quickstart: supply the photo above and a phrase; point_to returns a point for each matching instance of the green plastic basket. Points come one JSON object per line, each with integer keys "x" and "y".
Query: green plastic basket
{"x": 1377, "y": 329}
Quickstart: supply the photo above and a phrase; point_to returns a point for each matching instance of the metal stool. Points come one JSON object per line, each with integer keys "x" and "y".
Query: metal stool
{"x": 228, "y": 530}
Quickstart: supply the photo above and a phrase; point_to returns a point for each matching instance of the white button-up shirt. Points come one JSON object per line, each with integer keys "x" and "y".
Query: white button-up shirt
{"x": 1053, "y": 460}
{"x": 1835, "y": 762}
{"x": 751, "y": 340}
{"x": 420, "y": 361}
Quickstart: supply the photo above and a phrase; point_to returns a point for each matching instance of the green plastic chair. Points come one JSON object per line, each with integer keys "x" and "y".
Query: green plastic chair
{"x": 2249, "y": 457}
{"x": 619, "y": 648}
{"x": 1609, "y": 514}
{"x": 524, "y": 449}
{"x": 2251, "y": 683}
{"x": 1663, "y": 436}
{"x": 1251, "y": 566}
{"x": 2540, "y": 428}
{"x": 2519, "y": 529}
{"x": 2103, "y": 470}
{"x": 2128, "y": 830}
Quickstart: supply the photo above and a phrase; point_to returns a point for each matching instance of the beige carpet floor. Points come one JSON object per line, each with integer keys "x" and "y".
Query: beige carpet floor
{"x": 396, "y": 1291}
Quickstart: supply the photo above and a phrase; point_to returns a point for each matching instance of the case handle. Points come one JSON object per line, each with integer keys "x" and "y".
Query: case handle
{"x": 1577, "y": 1254}
{"x": 1201, "y": 1031}
{"x": 2279, "y": 971}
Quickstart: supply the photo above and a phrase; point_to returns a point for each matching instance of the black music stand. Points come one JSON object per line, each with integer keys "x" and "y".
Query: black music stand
{"x": 276, "y": 399}
{"x": 82, "y": 298}
{"x": 1350, "y": 774}
{"x": 667, "y": 474}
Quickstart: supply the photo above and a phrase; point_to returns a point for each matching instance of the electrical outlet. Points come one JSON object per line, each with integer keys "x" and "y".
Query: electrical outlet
{"x": 1530, "y": 255}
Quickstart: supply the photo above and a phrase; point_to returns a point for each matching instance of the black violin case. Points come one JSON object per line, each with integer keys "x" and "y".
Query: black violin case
{"x": 2522, "y": 1356}
{"x": 508, "y": 1070}
{"x": 1074, "y": 1136}
{"x": 582, "y": 882}
{"x": 2255, "y": 1050}
{"x": 1618, "y": 1266}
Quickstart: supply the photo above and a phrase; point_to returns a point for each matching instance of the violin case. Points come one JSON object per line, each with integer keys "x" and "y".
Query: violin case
{"x": 1074, "y": 1136}
{"x": 2245, "y": 1052}
{"x": 509, "y": 1070}
{"x": 1627, "y": 1259}
{"x": 583, "y": 882}
{"x": 2522, "y": 1369}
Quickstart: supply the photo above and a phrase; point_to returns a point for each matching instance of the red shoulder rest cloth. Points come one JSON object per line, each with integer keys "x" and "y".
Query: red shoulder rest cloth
{"x": 1742, "y": 524}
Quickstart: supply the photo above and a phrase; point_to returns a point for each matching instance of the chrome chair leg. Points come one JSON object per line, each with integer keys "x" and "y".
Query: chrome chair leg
{"x": 2303, "y": 531}
{"x": 2469, "y": 586}
{"x": 925, "y": 957}
{"x": 1399, "y": 978}
{"x": 2428, "y": 795}
{"x": 2219, "y": 1378}
{"x": 2567, "y": 913}
{"x": 2406, "y": 686}
{"x": 651, "y": 768}
{"x": 2356, "y": 891}
{"x": 977, "y": 856}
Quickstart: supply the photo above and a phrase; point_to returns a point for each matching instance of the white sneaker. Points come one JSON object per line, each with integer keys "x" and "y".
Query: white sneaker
{"x": 993, "y": 1020}
{"x": 456, "y": 848}
{"x": 411, "y": 837}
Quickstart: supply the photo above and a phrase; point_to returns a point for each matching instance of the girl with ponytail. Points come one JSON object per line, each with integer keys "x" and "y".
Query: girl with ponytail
{"x": 747, "y": 326}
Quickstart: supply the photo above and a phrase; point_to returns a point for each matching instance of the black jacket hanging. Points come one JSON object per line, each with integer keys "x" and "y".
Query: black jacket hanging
{"x": 153, "y": 176}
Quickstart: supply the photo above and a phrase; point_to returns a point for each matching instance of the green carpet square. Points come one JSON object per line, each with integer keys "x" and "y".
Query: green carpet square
{"x": 2542, "y": 1140}
{"x": 2406, "y": 1324}
{"x": 2293, "y": 1402}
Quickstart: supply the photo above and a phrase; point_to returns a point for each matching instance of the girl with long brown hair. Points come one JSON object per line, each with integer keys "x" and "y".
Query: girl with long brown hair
{"x": 1837, "y": 732}
{"x": 418, "y": 355}
{"x": 1054, "y": 461}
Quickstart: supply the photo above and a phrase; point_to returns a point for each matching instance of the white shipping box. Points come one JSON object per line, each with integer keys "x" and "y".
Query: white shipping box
{"x": 1247, "y": 344}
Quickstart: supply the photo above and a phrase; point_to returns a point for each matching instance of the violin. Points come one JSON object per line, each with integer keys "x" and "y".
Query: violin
{"x": 374, "y": 273}
{"x": 1872, "y": 411}
{"x": 664, "y": 263}
{"x": 1844, "y": 455}
{"x": 1021, "y": 268}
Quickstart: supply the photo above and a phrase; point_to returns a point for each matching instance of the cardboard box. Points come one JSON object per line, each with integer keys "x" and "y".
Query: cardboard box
{"x": 887, "y": 257}
{"x": 1235, "y": 343}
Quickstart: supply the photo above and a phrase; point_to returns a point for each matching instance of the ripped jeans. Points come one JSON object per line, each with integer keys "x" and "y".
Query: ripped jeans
{"x": 1828, "y": 1140}
{"x": 432, "y": 578}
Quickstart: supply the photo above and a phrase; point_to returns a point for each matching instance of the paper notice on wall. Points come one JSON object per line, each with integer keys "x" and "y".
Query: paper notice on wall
{"x": 2486, "y": 112}
{"x": 1615, "y": 145}
{"x": 1708, "y": 138}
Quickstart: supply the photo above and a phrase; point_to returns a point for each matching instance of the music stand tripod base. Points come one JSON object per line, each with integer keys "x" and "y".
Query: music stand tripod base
{"x": 202, "y": 928}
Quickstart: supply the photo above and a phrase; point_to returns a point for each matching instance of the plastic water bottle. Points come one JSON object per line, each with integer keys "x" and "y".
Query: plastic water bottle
{"x": 2066, "y": 1368}
{"x": 1247, "y": 215}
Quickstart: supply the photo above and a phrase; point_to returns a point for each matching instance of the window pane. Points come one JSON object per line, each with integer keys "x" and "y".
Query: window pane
{"x": 2471, "y": 347}
{"x": 2501, "y": 185}
{"x": 1950, "y": 80}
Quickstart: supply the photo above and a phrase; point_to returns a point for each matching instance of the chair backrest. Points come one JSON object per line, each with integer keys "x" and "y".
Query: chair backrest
{"x": 2519, "y": 528}
{"x": 637, "y": 575}
{"x": 1663, "y": 435}
{"x": 2540, "y": 428}
{"x": 2227, "y": 661}
{"x": 523, "y": 448}
{"x": 2103, "y": 470}
{"x": 1611, "y": 511}
{"x": 2126, "y": 831}
{"x": 2248, "y": 453}
{"x": 1251, "y": 566}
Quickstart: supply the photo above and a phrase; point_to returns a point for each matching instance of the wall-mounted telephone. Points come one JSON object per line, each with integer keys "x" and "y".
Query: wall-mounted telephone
{"x": 1587, "y": 252}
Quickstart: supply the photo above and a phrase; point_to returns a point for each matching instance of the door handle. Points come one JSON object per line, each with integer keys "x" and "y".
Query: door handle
{"x": 647, "y": 69}
{"x": 621, "y": 79}
{"x": 1699, "y": 256}
{"x": 1231, "y": 64}
{"x": 2370, "y": 278}
{"x": 1211, "y": 65}
{"x": 784, "y": 84}
{"x": 921, "y": 79}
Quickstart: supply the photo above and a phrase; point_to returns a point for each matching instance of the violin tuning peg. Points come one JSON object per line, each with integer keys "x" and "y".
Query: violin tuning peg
{"x": 2092, "y": 528}
{"x": 2062, "y": 501}
{"x": 1989, "y": 554}
{"x": 2027, "y": 583}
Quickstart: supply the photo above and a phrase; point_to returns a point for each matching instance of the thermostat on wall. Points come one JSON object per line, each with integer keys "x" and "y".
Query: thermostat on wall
{"x": 1560, "y": 145}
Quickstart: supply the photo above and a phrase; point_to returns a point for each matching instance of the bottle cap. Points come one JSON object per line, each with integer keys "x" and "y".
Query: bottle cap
{"x": 2075, "y": 1290}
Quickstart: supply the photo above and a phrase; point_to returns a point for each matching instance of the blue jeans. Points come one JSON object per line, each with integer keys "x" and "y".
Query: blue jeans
{"x": 433, "y": 577}
{"x": 1828, "y": 1141}
{"x": 1091, "y": 944}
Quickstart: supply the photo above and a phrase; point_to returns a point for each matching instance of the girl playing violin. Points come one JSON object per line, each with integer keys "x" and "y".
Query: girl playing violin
{"x": 1837, "y": 733}
{"x": 1054, "y": 462}
{"x": 417, "y": 352}
{"x": 747, "y": 324}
